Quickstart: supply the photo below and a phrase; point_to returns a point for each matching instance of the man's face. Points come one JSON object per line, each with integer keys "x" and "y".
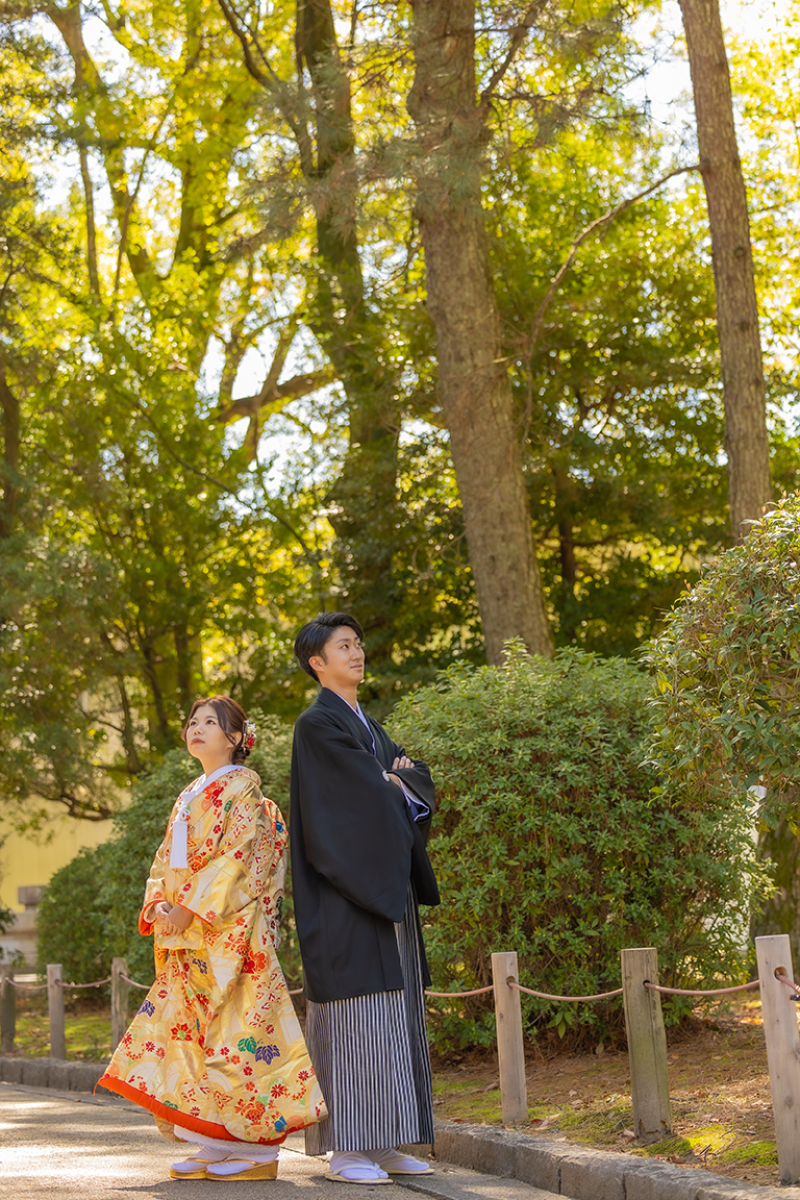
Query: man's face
{"x": 342, "y": 662}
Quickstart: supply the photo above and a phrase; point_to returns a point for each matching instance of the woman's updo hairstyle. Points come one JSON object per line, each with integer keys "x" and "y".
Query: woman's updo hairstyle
{"x": 231, "y": 721}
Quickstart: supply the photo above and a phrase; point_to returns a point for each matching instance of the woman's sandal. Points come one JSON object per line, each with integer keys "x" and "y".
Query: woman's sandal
{"x": 250, "y": 1170}
{"x": 195, "y": 1168}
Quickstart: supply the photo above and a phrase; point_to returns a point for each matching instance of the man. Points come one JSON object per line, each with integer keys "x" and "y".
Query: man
{"x": 360, "y": 815}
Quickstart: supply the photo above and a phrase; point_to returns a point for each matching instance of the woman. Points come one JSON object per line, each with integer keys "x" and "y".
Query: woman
{"x": 215, "y": 1051}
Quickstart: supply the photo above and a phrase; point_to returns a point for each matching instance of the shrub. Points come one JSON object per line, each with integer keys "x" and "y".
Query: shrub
{"x": 727, "y": 707}
{"x": 71, "y": 922}
{"x": 550, "y": 841}
{"x": 728, "y": 670}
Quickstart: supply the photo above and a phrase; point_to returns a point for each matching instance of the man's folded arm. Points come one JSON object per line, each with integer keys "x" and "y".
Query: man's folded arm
{"x": 358, "y": 837}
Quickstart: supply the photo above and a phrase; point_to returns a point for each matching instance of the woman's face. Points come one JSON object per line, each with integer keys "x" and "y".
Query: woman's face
{"x": 205, "y": 737}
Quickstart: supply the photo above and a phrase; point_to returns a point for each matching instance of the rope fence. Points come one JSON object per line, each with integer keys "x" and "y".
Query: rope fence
{"x": 646, "y": 1037}
{"x": 566, "y": 999}
{"x": 145, "y": 987}
{"x": 667, "y": 991}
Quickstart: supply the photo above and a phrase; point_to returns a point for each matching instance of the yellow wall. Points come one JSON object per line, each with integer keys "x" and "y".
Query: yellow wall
{"x": 27, "y": 861}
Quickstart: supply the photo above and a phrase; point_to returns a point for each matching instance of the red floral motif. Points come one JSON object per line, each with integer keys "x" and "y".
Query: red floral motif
{"x": 150, "y": 1046}
{"x": 255, "y": 963}
{"x": 224, "y": 1050}
{"x": 252, "y": 1109}
{"x": 247, "y": 1070}
{"x": 278, "y": 1089}
{"x": 251, "y": 1087}
{"x": 235, "y": 1058}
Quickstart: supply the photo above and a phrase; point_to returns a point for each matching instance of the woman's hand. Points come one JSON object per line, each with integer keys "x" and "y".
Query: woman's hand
{"x": 172, "y": 918}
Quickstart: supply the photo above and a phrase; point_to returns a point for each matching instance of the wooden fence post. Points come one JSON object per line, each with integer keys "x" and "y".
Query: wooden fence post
{"x": 119, "y": 1001}
{"x": 8, "y": 1008}
{"x": 783, "y": 1049}
{"x": 55, "y": 1011}
{"x": 510, "y": 1046}
{"x": 647, "y": 1046}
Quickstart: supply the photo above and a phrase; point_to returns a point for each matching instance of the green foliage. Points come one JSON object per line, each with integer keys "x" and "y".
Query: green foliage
{"x": 71, "y": 921}
{"x": 728, "y": 672}
{"x": 621, "y": 389}
{"x": 551, "y": 841}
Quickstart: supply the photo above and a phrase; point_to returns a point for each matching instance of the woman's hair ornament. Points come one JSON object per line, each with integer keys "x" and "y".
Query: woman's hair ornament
{"x": 249, "y": 739}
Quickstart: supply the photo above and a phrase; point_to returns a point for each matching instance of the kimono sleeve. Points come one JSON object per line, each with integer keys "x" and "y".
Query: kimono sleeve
{"x": 155, "y": 890}
{"x": 229, "y": 872}
{"x": 354, "y": 827}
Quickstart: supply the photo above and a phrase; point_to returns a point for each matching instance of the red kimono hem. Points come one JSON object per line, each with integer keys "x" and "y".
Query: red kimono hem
{"x": 174, "y": 1116}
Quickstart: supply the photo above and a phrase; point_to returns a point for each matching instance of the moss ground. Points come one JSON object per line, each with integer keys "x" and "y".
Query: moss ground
{"x": 719, "y": 1086}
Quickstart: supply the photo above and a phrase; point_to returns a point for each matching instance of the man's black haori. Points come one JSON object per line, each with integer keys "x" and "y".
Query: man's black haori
{"x": 354, "y": 847}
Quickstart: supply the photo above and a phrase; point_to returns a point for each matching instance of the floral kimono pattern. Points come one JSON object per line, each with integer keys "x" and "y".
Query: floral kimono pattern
{"x": 216, "y": 1046}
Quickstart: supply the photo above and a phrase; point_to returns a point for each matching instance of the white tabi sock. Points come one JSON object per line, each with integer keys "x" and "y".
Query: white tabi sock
{"x": 394, "y": 1162}
{"x": 355, "y": 1167}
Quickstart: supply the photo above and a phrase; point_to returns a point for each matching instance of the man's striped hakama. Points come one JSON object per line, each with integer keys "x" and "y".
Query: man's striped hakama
{"x": 370, "y": 1055}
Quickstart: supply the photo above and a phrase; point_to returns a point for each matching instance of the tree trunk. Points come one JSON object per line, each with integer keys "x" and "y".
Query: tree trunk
{"x": 363, "y": 508}
{"x": 363, "y": 501}
{"x": 473, "y": 382}
{"x": 9, "y": 468}
{"x": 746, "y": 442}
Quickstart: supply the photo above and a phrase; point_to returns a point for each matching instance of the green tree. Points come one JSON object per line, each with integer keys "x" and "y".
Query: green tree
{"x": 618, "y": 379}
{"x": 71, "y": 923}
{"x": 728, "y": 700}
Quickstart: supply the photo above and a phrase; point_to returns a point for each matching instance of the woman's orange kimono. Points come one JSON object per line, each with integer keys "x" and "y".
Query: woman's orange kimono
{"x": 216, "y": 1046}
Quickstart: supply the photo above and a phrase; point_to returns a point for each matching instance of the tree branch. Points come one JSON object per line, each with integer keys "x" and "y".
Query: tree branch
{"x": 598, "y": 223}
{"x": 517, "y": 38}
{"x": 555, "y": 283}
{"x": 292, "y": 389}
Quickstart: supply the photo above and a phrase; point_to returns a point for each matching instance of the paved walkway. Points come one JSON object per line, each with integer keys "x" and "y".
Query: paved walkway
{"x": 73, "y": 1146}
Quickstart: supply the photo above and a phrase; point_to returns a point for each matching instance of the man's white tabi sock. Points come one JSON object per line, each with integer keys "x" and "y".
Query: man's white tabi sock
{"x": 353, "y": 1167}
{"x": 394, "y": 1162}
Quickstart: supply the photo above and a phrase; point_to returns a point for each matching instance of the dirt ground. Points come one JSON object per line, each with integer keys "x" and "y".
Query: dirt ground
{"x": 719, "y": 1087}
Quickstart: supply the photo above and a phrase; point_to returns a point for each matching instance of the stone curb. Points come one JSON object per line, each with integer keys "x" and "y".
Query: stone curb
{"x": 583, "y": 1174}
{"x": 557, "y": 1167}
{"x": 64, "y": 1075}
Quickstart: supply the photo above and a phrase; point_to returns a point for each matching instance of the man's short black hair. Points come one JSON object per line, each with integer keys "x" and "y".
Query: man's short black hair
{"x": 315, "y": 635}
